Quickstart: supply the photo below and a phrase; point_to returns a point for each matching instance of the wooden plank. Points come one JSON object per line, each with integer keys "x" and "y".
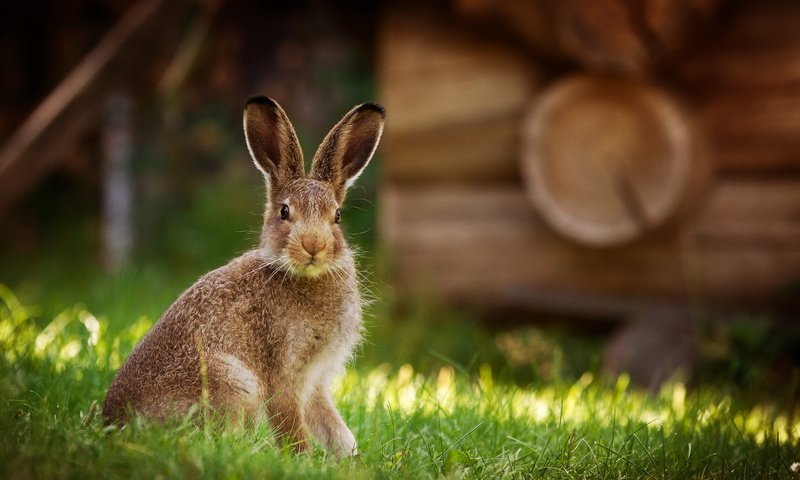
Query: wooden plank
{"x": 477, "y": 152}
{"x": 443, "y": 84}
{"x": 481, "y": 244}
{"x": 754, "y": 130}
{"x": 490, "y": 82}
{"x": 756, "y": 47}
{"x": 745, "y": 81}
{"x": 74, "y": 105}
{"x": 616, "y": 35}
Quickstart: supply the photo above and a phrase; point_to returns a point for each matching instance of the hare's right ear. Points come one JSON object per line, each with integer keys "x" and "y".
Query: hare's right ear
{"x": 272, "y": 141}
{"x": 348, "y": 147}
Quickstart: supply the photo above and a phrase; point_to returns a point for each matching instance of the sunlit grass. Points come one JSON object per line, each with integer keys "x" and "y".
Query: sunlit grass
{"x": 409, "y": 424}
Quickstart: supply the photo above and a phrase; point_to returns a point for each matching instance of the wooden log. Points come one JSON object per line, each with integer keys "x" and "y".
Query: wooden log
{"x": 485, "y": 245}
{"x": 755, "y": 48}
{"x": 483, "y": 151}
{"x": 605, "y": 35}
{"x": 629, "y": 35}
{"x": 75, "y": 104}
{"x": 532, "y": 21}
{"x": 746, "y": 88}
{"x": 608, "y": 161}
{"x": 443, "y": 85}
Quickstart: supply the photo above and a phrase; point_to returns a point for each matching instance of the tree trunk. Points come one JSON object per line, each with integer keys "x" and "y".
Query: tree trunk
{"x": 117, "y": 136}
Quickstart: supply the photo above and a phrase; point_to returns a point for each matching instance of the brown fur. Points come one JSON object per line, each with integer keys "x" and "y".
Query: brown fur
{"x": 265, "y": 334}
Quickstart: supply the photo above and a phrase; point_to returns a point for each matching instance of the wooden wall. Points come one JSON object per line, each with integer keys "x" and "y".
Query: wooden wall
{"x": 507, "y": 151}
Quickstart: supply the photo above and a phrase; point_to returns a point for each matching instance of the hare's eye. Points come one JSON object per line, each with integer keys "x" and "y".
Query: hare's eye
{"x": 337, "y": 216}
{"x": 285, "y": 212}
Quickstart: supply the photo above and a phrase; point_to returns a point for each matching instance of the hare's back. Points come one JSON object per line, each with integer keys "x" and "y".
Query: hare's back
{"x": 162, "y": 372}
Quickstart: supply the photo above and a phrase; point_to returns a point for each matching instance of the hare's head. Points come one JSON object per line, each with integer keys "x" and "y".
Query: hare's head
{"x": 301, "y": 231}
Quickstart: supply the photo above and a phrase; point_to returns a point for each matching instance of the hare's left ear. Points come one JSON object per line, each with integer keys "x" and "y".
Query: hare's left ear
{"x": 272, "y": 142}
{"x": 348, "y": 147}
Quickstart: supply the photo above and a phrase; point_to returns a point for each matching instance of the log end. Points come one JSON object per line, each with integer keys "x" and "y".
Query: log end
{"x": 606, "y": 161}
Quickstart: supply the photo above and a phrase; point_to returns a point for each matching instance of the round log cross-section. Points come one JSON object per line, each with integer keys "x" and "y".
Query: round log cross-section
{"x": 605, "y": 161}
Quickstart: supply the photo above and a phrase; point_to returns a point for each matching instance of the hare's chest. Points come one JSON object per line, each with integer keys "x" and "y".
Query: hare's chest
{"x": 329, "y": 336}
{"x": 328, "y": 347}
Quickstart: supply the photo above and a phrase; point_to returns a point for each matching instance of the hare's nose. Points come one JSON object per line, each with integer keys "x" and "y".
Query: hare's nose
{"x": 312, "y": 244}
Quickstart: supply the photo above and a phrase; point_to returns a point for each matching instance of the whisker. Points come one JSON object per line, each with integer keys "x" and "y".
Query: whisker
{"x": 369, "y": 229}
{"x": 260, "y": 267}
{"x": 340, "y": 274}
{"x": 277, "y": 269}
{"x": 286, "y": 272}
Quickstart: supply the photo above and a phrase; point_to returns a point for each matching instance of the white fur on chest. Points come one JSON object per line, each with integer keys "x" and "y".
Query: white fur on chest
{"x": 332, "y": 357}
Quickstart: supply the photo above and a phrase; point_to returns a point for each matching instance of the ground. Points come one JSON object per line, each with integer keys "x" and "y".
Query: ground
{"x": 432, "y": 393}
{"x": 456, "y": 422}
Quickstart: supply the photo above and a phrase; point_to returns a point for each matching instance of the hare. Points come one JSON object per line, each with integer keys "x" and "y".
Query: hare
{"x": 265, "y": 334}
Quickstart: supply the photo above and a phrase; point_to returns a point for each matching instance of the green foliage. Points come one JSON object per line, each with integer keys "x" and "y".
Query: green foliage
{"x": 434, "y": 393}
{"x": 410, "y": 423}
{"x": 755, "y": 354}
{"x": 430, "y": 336}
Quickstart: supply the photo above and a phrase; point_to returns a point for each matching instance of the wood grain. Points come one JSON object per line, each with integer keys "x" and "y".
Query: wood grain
{"x": 455, "y": 97}
{"x": 607, "y": 160}
{"x": 622, "y": 36}
{"x": 745, "y": 82}
{"x": 484, "y": 244}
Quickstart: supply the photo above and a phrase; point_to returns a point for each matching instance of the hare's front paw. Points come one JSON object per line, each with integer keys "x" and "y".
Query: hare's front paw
{"x": 346, "y": 443}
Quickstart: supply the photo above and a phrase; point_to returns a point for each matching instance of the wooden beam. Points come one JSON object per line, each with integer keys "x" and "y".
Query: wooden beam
{"x": 745, "y": 81}
{"x": 456, "y": 97}
{"x": 602, "y": 35}
{"x": 483, "y": 244}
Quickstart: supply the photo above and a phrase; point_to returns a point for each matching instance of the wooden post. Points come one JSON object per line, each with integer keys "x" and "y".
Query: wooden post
{"x": 117, "y": 146}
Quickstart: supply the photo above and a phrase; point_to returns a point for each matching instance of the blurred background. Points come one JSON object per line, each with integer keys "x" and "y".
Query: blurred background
{"x": 563, "y": 186}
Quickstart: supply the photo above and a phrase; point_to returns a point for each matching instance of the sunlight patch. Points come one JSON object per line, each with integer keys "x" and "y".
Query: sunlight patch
{"x": 92, "y": 326}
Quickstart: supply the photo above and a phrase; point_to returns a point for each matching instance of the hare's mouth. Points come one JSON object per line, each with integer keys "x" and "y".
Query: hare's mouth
{"x": 313, "y": 269}
{"x": 310, "y": 268}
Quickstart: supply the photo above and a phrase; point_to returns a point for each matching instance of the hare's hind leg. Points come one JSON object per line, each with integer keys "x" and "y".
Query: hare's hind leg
{"x": 327, "y": 426}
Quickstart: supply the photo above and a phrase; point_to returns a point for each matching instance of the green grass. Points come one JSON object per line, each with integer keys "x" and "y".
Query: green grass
{"x": 410, "y": 423}
{"x": 433, "y": 393}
